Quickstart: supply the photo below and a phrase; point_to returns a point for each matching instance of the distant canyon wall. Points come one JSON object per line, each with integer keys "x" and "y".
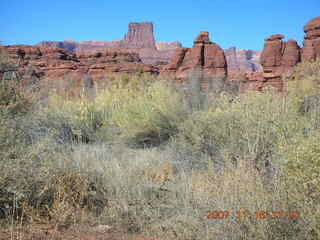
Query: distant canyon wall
{"x": 243, "y": 60}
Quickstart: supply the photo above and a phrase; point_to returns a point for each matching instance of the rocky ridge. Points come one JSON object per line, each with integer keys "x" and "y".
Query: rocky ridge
{"x": 60, "y": 66}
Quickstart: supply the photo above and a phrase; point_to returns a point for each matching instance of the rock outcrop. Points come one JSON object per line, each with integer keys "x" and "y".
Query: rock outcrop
{"x": 277, "y": 59}
{"x": 139, "y": 39}
{"x": 311, "y": 43}
{"x": 204, "y": 55}
{"x": 57, "y": 64}
{"x": 242, "y": 60}
{"x": 139, "y": 35}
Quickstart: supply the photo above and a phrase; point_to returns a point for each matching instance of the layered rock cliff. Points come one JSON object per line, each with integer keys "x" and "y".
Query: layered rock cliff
{"x": 59, "y": 66}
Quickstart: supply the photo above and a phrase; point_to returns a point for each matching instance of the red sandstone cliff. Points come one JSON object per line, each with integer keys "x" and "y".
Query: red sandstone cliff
{"x": 57, "y": 64}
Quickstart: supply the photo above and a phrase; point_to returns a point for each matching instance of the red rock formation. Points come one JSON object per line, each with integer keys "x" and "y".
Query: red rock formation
{"x": 139, "y": 35}
{"x": 55, "y": 64}
{"x": 139, "y": 38}
{"x": 277, "y": 59}
{"x": 311, "y": 43}
{"x": 204, "y": 55}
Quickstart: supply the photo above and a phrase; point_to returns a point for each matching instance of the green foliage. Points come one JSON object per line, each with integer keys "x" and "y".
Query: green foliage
{"x": 148, "y": 115}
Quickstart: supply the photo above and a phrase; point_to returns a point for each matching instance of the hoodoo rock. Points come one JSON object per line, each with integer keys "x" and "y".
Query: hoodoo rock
{"x": 311, "y": 43}
{"x": 204, "y": 55}
{"x": 277, "y": 59}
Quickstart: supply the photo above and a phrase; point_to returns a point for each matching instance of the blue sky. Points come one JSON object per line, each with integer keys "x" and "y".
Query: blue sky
{"x": 240, "y": 23}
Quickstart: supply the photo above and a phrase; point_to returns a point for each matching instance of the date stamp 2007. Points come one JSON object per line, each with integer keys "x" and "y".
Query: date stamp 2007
{"x": 244, "y": 214}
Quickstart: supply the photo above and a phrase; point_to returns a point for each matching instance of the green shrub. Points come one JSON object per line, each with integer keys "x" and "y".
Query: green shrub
{"x": 148, "y": 116}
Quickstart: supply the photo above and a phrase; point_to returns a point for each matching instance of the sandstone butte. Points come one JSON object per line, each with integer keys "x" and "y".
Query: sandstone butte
{"x": 277, "y": 59}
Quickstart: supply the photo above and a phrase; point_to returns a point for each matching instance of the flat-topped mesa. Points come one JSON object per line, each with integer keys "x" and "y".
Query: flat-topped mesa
{"x": 311, "y": 43}
{"x": 204, "y": 55}
{"x": 139, "y": 35}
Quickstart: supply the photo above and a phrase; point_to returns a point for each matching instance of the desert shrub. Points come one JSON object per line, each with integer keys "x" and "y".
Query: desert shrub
{"x": 249, "y": 126}
{"x": 48, "y": 173}
{"x": 12, "y": 98}
{"x": 85, "y": 118}
{"x": 41, "y": 182}
{"x": 301, "y": 173}
{"x": 305, "y": 78}
{"x": 149, "y": 116}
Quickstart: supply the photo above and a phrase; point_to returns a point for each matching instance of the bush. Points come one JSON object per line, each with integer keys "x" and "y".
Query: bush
{"x": 148, "y": 116}
{"x": 301, "y": 173}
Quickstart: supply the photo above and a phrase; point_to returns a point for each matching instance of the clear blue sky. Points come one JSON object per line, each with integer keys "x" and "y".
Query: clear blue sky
{"x": 241, "y": 23}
